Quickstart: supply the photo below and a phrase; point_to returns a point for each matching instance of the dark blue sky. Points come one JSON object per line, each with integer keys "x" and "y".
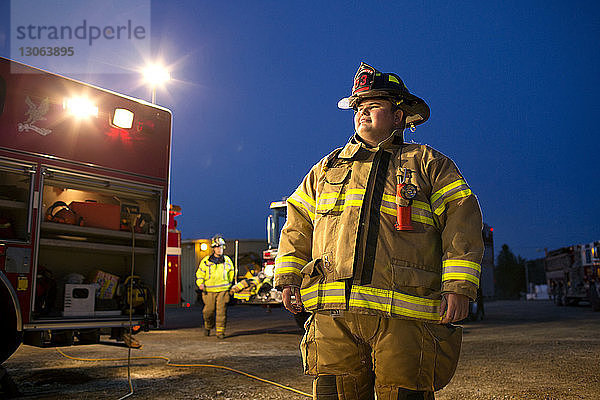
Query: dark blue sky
{"x": 512, "y": 86}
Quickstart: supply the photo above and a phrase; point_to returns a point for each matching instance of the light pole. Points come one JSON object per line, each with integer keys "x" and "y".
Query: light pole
{"x": 156, "y": 75}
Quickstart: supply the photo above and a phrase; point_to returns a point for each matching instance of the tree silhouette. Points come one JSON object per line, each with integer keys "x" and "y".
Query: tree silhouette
{"x": 510, "y": 274}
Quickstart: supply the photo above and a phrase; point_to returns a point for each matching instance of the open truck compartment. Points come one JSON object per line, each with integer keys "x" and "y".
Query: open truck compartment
{"x": 109, "y": 225}
{"x": 83, "y": 200}
{"x": 15, "y": 197}
{"x": 91, "y": 230}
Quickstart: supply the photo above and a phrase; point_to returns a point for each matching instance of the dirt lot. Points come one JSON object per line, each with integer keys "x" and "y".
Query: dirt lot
{"x": 522, "y": 350}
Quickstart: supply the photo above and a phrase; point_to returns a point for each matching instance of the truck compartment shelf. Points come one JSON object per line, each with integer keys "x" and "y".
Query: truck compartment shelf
{"x": 13, "y": 204}
{"x": 90, "y": 246}
{"x": 97, "y": 232}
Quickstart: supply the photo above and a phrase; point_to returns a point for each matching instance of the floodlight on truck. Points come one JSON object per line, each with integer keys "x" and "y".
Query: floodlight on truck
{"x": 80, "y": 107}
{"x": 123, "y": 118}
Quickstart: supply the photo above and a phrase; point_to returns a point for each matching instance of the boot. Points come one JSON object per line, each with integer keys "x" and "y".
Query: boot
{"x": 131, "y": 342}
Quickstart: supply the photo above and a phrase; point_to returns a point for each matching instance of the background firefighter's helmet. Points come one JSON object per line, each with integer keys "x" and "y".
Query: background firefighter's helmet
{"x": 369, "y": 83}
{"x": 217, "y": 241}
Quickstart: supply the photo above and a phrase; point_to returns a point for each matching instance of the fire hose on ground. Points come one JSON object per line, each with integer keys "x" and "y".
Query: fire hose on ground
{"x": 170, "y": 364}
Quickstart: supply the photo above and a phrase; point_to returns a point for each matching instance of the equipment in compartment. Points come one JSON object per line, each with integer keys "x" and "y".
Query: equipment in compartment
{"x": 79, "y": 300}
{"x": 107, "y": 284}
{"x": 6, "y": 228}
{"x": 98, "y": 215}
{"x": 45, "y": 293}
{"x": 141, "y": 296}
{"x": 142, "y": 222}
{"x": 60, "y": 212}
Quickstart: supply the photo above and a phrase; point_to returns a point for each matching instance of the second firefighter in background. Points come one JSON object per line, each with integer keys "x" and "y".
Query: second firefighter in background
{"x": 214, "y": 277}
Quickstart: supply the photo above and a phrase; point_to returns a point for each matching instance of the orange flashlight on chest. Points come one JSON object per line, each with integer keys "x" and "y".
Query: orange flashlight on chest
{"x": 405, "y": 192}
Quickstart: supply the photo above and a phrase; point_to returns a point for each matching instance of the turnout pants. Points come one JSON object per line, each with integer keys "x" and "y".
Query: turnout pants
{"x": 215, "y": 303}
{"x": 354, "y": 356}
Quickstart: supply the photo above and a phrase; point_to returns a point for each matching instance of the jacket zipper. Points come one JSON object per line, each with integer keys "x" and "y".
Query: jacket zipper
{"x": 364, "y": 257}
{"x": 374, "y": 219}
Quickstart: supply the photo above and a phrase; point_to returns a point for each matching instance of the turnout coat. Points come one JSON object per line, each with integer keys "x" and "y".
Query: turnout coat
{"x": 340, "y": 245}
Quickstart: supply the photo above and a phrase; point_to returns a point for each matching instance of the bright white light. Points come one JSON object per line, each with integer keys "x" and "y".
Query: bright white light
{"x": 203, "y": 246}
{"x": 80, "y": 107}
{"x": 269, "y": 270}
{"x": 156, "y": 74}
{"x": 123, "y": 118}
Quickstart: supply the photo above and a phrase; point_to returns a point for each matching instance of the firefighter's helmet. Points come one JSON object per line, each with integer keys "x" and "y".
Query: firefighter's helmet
{"x": 217, "y": 241}
{"x": 370, "y": 83}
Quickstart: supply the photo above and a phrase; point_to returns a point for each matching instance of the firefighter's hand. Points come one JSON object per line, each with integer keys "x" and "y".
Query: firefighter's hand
{"x": 455, "y": 307}
{"x": 201, "y": 288}
{"x": 292, "y": 305}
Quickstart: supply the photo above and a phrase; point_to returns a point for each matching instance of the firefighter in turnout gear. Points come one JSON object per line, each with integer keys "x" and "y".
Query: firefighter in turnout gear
{"x": 214, "y": 278}
{"x": 383, "y": 245}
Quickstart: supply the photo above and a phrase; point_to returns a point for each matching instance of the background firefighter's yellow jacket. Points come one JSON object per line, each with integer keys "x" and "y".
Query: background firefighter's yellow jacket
{"x": 215, "y": 277}
{"x": 340, "y": 246}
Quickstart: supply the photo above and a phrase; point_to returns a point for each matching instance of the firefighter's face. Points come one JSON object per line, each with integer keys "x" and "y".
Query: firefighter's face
{"x": 218, "y": 251}
{"x": 375, "y": 118}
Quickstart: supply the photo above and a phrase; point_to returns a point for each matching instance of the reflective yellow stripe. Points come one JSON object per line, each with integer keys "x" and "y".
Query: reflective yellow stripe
{"x": 355, "y": 191}
{"x": 458, "y": 195}
{"x": 305, "y": 197}
{"x": 294, "y": 259}
{"x": 287, "y": 270}
{"x": 432, "y": 316}
{"x": 300, "y": 205}
{"x": 446, "y": 189}
{"x": 289, "y": 265}
{"x": 341, "y": 202}
{"x": 387, "y": 302}
{"x": 461, "y": 263}
{"x": 323, "y": 287}
{"x": 393, "y": 303}
{"x": 241, "y": 296}
{"x": 340, "y": 207}
{"x": 332, "y": 195}
{"x": 421, "y": 211}
{"x": 421, "y": 205}
{"x": 422, "y": 219}
{"x": 387, "y": 210}
{"x": 310, "y": 302}
{"x": 463, "y": 193}
{"x": 460, "y": 277}
{"x": 324, "y": 293}
{"x": 371, "y": 305}
{"x": 388, "y": 197}
{"x": 463, "y": 270}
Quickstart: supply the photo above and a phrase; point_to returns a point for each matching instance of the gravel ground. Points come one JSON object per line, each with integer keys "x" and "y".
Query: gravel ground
{"x": 522, "y": 350}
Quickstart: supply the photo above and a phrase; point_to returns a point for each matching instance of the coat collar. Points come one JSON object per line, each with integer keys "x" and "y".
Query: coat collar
{"x": 393, "y": 142}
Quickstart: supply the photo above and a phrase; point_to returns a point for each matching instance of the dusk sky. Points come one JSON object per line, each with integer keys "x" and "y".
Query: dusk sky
{"x": 512, "y": 86}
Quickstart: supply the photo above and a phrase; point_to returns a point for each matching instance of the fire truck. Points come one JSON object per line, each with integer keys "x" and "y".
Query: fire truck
{"x": 84, "y": 176}
{"x": 256, "y": 287}
{"x": 573, "y": 274}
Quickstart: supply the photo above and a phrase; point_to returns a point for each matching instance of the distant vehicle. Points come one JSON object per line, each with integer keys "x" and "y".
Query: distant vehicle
{"x": 573, "y": 274}
{"x": 257, "y": 288}
{"x": 82, "y": 211}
